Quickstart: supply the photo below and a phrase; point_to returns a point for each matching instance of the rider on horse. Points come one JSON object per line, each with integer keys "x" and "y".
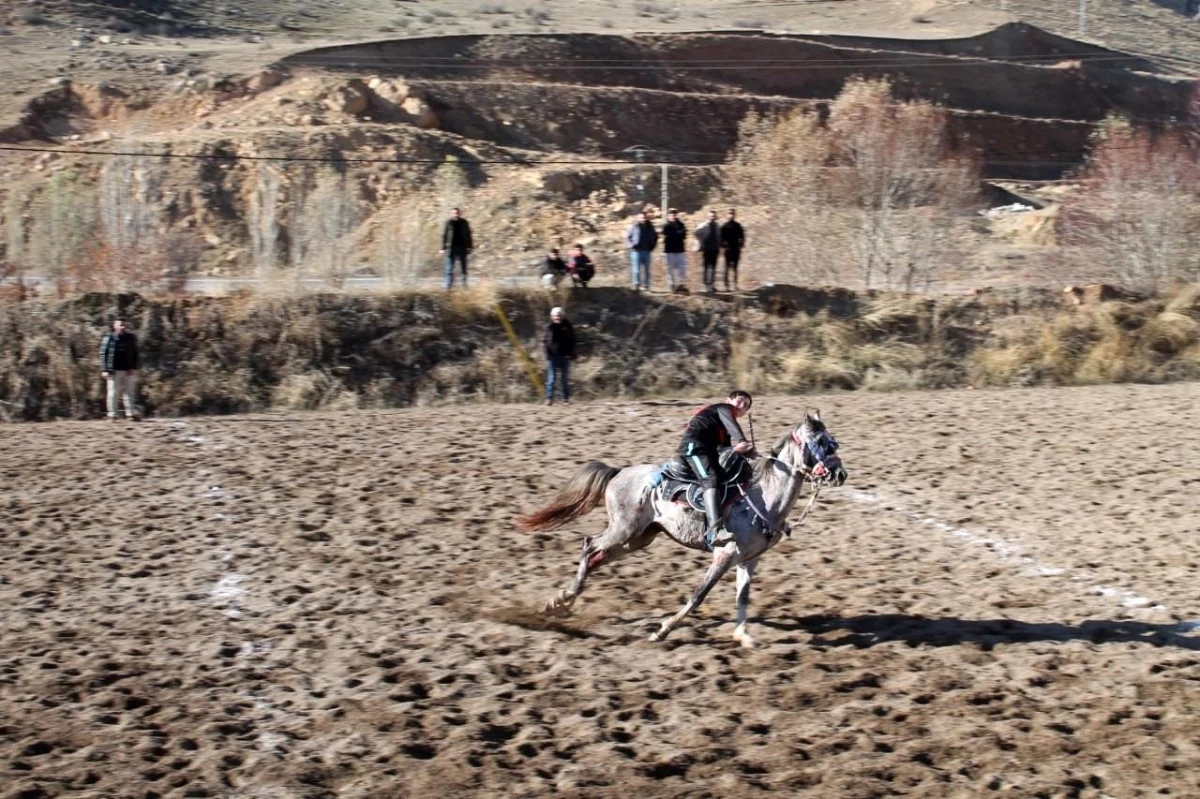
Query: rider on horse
{"x": 712, "y": 427}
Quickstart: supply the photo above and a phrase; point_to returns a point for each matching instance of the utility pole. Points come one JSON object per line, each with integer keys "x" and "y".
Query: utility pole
{"x": 1082, "y": 17}
{"x": 666, "y": 194}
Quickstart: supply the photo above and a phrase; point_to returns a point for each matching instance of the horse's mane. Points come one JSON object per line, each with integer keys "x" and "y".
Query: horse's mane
{"x": 762, "y": 464}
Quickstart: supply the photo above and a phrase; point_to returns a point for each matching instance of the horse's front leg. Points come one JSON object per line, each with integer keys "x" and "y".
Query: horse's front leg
{"x": 745, "y": 575}
{"x": 723, "y": 558}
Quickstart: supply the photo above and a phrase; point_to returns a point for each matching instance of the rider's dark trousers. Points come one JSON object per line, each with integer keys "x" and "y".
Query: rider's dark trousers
{"x": 703, "y": 462}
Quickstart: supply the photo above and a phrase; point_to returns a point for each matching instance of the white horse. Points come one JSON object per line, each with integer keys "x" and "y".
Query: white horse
{"x": 807, "y": 452}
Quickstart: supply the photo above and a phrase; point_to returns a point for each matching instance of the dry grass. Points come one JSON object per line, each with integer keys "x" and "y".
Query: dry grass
{"x": 248, "y": 352}
{"x": 1149, "y": 341}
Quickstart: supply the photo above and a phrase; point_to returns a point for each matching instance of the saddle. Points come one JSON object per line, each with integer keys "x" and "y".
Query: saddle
{"x": 675, "y": 481}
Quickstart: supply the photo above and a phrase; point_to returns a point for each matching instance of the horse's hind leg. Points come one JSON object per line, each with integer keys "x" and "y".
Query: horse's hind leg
{"x": 604, "y": 548}
{"x": 722, "y": 559}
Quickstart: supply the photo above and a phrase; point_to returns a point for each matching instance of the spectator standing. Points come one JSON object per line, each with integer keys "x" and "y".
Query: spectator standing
{"x": 119, "y": 365}
{"x": 733, "y": 239}
{"x": 456, "y": 245}
{"x": 642, "y": 238}
{"x": 560, "y": 349}
{"x": 580, "y": 267}
{"x": 674, "y": 236}
{"x": 708, "y": 237}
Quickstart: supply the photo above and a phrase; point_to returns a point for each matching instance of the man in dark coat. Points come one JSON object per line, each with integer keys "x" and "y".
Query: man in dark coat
{"x": 118, "y": 366}
{"x": 733, "y": 239}
{"x": 674, "y": 236}
{"x": 560, "y": 349}
{"x": 708, "y": 237}
{"x": 456, "y": 245}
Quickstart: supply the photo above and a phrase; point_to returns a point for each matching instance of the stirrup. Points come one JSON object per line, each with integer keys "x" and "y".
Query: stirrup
{"x": 713, "y": 538}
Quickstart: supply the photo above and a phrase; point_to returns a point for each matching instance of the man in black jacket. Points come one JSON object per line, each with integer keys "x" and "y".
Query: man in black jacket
{"x": 560, "y": 349}
{"x": 118, "y": 365}
{"x": 674, "y": 236}
{"x": 709, "y": 237}
{"x": 456, "y": 245}
{"x": 712, "y": 427}
{"x": 733, "y": 239}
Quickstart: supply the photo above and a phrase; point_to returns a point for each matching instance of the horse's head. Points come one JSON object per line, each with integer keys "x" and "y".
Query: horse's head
{"x": 814, "y": 451}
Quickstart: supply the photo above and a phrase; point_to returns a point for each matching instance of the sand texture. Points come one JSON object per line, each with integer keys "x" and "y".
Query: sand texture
{"x": 337, "y": 605}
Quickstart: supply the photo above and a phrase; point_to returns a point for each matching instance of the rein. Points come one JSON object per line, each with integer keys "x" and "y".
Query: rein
{"x": 794, "y": 470}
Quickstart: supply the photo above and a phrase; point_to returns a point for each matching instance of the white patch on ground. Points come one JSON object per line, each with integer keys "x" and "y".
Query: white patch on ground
{"x": 228, "y": 589}
{"x": 1012, "y": 552}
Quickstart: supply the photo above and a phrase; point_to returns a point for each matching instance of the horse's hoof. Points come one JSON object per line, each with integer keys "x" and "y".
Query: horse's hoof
{"x": 746, "y": 641}
{"x": 655, "y": 638}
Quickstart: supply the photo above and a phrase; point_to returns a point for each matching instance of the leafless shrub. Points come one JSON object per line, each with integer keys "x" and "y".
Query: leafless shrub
{"x": 130, "y": 217}
{"x": 63, "y": 223}
{"x": 408, "y": 239}
{"x": 324, "y": 224}
{"x": 1136, "y": 218}
{"x": 262, "y": 219}
{"x": 15, "y": 228}
{"x": 873, "y": 197}
{"x": 907, "y": 188}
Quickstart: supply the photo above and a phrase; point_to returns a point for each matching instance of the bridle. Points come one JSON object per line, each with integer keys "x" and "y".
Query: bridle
{"x": 819, "y": 473}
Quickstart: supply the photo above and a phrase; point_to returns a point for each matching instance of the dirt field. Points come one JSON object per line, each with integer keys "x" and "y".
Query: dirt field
{"x": 998, "y": 603}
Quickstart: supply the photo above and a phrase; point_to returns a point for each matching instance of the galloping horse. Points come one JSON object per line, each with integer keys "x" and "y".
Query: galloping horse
{"x": 637, "y": 513}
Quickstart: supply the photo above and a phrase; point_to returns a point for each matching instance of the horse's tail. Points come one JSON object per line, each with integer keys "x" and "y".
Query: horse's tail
{"x": 583, "y": 492}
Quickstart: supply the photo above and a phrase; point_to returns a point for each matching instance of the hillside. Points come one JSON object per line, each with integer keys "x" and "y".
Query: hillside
{"x": 541, "y": 109}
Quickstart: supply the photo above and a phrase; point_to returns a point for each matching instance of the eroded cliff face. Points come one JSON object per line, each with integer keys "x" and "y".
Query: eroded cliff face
{"x": 405, "y": 128}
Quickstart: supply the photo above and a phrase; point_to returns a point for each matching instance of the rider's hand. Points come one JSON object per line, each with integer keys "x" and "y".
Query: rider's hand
{"x": 743, "y": 447}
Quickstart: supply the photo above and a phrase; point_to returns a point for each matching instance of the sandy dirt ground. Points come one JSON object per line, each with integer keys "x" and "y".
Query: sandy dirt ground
{"x": 337, "y": 605}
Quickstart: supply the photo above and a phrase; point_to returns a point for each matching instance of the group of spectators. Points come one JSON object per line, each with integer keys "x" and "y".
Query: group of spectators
{"x": 712, "y": 239}
{"x": 119, "y": 347}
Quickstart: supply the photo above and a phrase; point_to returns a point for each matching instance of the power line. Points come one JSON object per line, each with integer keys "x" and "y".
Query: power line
{"x": 335, "y": 160}
{"x": 888, "y": 61}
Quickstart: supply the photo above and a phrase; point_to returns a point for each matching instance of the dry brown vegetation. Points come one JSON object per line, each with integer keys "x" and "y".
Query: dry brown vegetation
{"x": 247, "y": 353}
{"x": 874, "y": 196}
{"x": 1136, "y": 218}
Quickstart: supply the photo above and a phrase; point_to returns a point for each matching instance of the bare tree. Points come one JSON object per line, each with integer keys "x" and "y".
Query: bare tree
{"x": 14, "y": 226}
{"x": 408, "y": 238}
{"x": 129, "y": 204}
{"x": 263, "y": 220}
{"x": 63, "y": 224}
{"x": 1136, "y": 218}
{"x": 327, "y": 219}
{"x": 780, "y": 164}
{"x": 905, "y": 188}
{"x": 874, "y": 196}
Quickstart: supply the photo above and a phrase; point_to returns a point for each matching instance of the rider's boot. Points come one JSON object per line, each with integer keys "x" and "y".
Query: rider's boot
{"x": 717, "y": 535}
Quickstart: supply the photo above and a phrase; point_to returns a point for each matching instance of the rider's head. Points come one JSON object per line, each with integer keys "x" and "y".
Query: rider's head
{"x": 741, "y": 401}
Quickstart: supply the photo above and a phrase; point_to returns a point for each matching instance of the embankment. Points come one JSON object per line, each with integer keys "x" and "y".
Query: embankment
{"x": 247, "y": 353}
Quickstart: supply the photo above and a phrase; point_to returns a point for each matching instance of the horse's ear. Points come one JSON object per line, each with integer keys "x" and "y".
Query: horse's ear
{"x": 816, "y": 414}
